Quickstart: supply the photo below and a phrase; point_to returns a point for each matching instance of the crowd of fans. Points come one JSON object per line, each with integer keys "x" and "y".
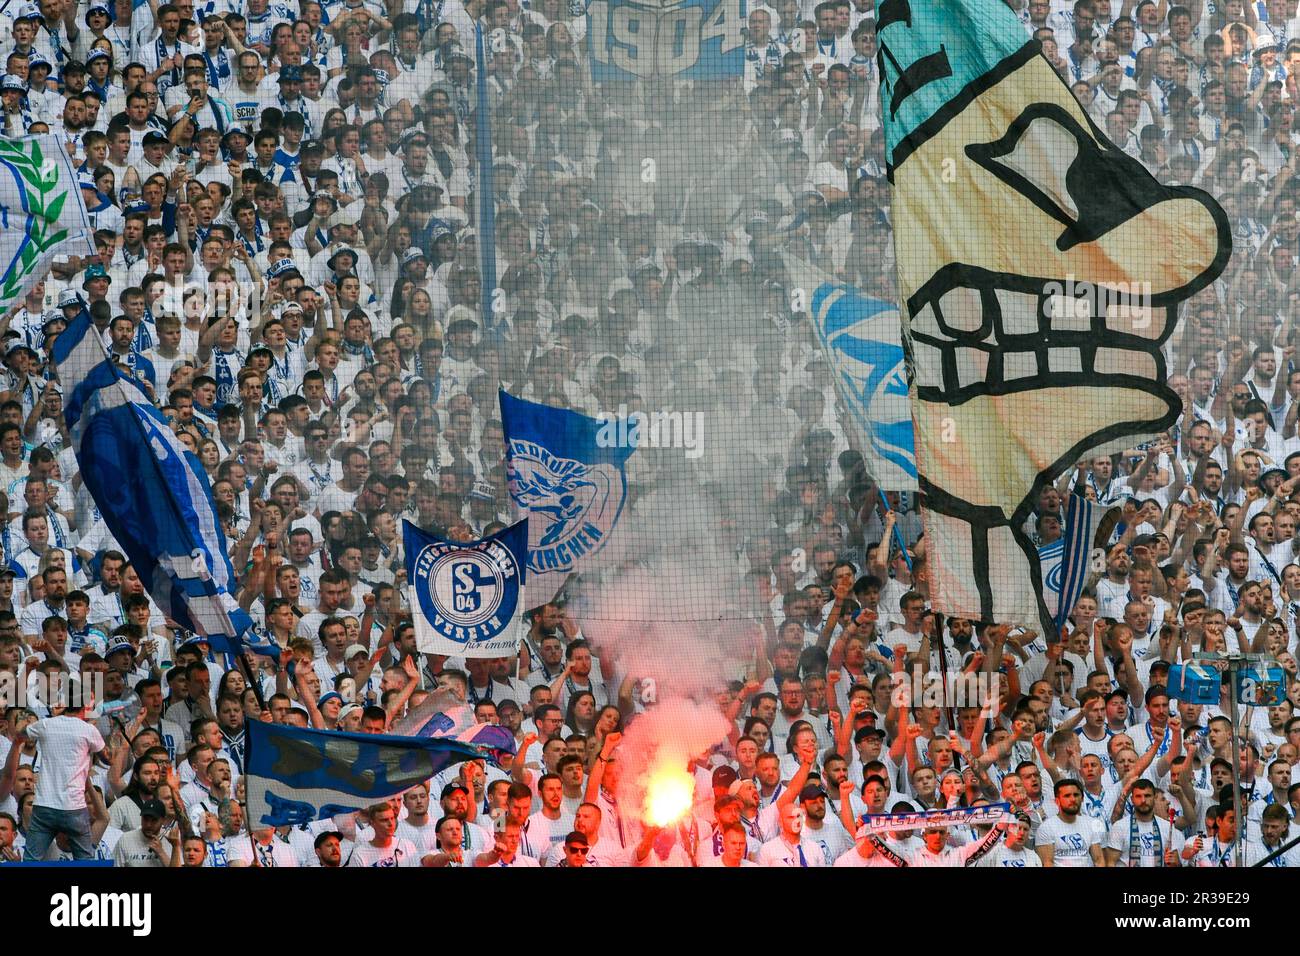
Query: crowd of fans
{"x": 285, "y": 208}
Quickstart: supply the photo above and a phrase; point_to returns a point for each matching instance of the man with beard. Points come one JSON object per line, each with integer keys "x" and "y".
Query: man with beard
{"x": 144, "y": 847}
{"x": 1069, "y": 839}
{"x": 328, "y": 847}
{"x": 1140, "y": 838}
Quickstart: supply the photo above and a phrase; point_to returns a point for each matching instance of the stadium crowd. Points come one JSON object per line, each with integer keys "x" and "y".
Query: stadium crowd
{"x": 284, "y": 199}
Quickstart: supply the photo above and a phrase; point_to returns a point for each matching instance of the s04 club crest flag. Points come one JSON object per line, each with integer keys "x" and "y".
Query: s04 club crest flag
{"x": 1040, "y": 270}
{"x": 464, "y": 594}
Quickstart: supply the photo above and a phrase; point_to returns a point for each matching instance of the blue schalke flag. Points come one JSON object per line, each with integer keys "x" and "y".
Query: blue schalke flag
{"x": 569, "y": 479}
{"x": 296, "y": 776}
{"x": 150, "y": 490}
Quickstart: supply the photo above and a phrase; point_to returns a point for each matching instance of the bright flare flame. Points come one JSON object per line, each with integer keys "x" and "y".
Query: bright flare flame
{"x": 669, "y": 797}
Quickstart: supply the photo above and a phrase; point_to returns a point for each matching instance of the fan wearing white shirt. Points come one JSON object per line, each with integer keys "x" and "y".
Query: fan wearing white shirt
{"x": 68, "y": 743}
{"x": 1153, "y": 839}
{"x": 935, "y": 850}
{"x": 418, "y": 826}
{"x": 1275, "y": 833}
{"x": 385, "y": 848}
{"x": 549, "y": 825}
{"x": 263, "y": 850}
{"x": 790, "y": 848}
{"x": 1069, "y": 839}
{"x": 735, "y": 847}
{"x": 1015, "y": 852}
{"x": 505, "y": 849}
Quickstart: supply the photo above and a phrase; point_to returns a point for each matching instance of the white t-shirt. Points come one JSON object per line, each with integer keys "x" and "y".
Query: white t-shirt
{"x": 133, "y": 850}
{"x": 603, "y": 853}
{"x": 277, "y": 854}
{"x": 519, "y": 861}
{"x": 779, "y": 853}
{"x": 424, "y": 838}
{"x": 540, "y": 833}
{"x": 399, "y": 852}
{"x": 66, "y": 746}
{"x": 1070, "y": 840}
{"x": 1153, "y": 847}
{"x": 852, "y": 857}
{"x": 1002, "y": 855}
{"x": 832, "y": 838}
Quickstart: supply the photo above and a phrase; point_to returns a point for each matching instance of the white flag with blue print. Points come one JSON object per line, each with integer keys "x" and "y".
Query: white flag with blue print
{"x": 862, "y": 339}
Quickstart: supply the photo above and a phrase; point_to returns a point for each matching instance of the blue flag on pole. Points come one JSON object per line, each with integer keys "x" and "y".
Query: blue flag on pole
{"x": 151, "y": 491}
{"x": 862, "y": 340}
{"x": 465, "y": 593}
{"x": 569, "y": 479}
{"x": 296, "y": 776}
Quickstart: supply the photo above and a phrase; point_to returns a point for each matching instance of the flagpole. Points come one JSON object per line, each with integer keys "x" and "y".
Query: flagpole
{"x": 486, "y": 187}
{"x": 898, "y": 532}
{"x": 250, "y": 676}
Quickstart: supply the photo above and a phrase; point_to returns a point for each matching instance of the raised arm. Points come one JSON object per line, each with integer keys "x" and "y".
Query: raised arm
{"x": 598, "y": 771}
{"x": 846, "y": 807}
{"x": 398, "y": 703}
{"x": 797, "y": 782}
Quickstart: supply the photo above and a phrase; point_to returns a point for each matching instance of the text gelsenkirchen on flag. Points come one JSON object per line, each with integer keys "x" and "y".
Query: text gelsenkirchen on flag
{"x": 152, "y": 492}
{"x": 569, "y": 484}
{"x": 41, "y": 213}
{"x": 295, "y": 776}
{"x": 862, "y": 341}
{"x": 464, "y": 593}
{"x": 1040, "y": 272}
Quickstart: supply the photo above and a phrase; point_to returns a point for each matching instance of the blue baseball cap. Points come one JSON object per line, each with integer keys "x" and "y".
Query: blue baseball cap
{"x": 93, "y": 272}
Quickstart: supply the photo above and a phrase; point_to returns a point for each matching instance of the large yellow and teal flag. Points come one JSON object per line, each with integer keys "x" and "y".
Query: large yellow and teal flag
{"x": 1040, "y": 270}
